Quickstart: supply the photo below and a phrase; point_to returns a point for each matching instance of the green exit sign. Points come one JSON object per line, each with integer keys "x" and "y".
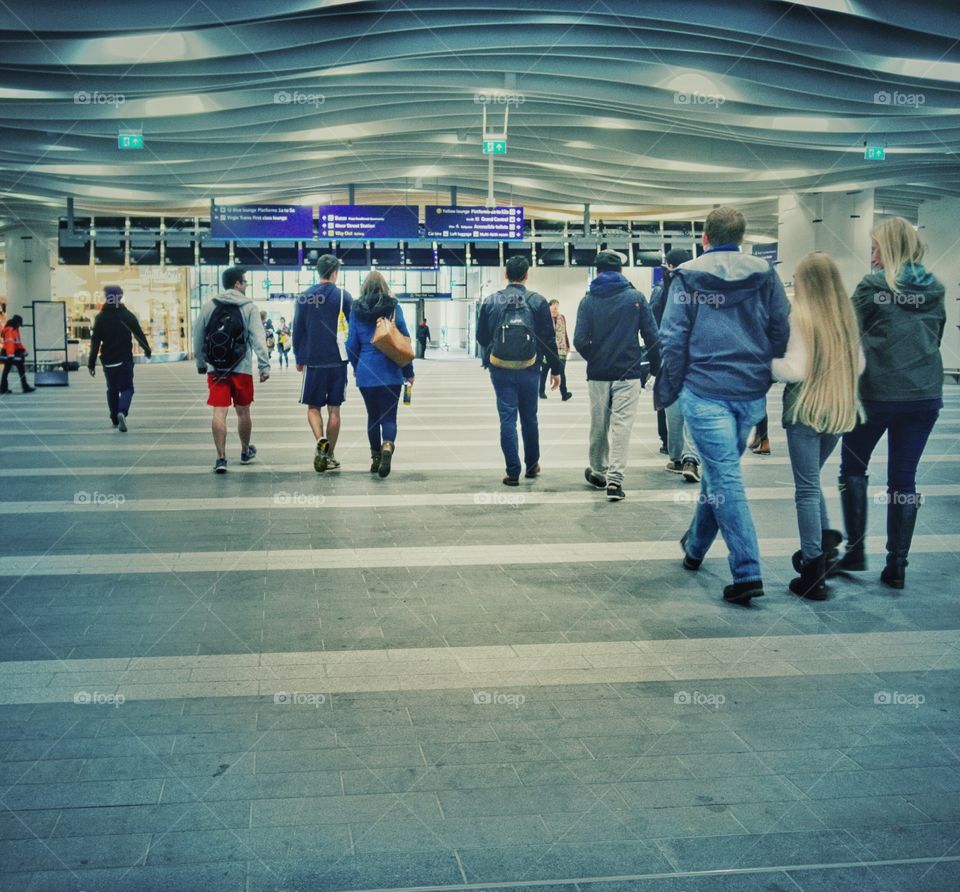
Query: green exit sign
{"x": 494, "y": 147}
{"x": 129, "y": 141}
{"x": 875, "y": 153}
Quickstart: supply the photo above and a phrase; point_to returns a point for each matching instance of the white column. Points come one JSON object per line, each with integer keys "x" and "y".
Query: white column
{"x": 938, "y": 231}
{"x": 843, "y": 232}
{"x": 27, "y": 274}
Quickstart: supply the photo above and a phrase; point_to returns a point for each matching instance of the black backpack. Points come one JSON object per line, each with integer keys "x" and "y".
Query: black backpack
{"x": 514, "y": 342}
{"x": 225, "y": 337}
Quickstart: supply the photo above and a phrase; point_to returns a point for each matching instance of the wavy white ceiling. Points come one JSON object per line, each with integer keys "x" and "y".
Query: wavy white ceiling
{"x": 779, "y": 97}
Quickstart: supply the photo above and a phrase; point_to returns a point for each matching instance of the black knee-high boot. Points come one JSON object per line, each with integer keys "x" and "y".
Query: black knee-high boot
{"x": 901, "y": 522}
{"x": 853, "y": 499}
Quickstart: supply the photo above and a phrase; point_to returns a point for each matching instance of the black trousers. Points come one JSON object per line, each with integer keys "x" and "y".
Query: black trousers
{"x": 18, "y": 363}
{"x": 544, "y": 374}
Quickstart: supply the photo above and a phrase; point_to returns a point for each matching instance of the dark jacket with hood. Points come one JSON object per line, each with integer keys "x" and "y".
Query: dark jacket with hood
{"x": 495, "y": 306}
{"x": 900, "y": 333}
{"x": 113, "y": 331}
{"x": 727, "y": 316}
{"x": 609, "y": 318}
{"x": 372, "y": 368}
{"x": 315, "y": 321}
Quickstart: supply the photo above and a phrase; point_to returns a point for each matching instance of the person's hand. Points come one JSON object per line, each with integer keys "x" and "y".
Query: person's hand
{"x": 411, "y": 379}
{"x": 148, "y": 353}
{"x": 93, "y": 371}
{"x": 264, "y": 376}
{"x": 554, "y": 382}
{"x": 299, "y": 367}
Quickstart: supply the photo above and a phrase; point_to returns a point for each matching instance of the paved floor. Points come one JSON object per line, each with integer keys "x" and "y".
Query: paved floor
{"x": 277, "y": 680}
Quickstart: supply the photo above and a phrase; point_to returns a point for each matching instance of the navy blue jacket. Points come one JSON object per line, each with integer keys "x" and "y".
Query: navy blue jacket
{"x": 726, "y": 318}
{"x": 315, "y": 325}
{"x": 372, "y": 368}
{"x": 610, "y": 317}
{"x": 492, "y": 311}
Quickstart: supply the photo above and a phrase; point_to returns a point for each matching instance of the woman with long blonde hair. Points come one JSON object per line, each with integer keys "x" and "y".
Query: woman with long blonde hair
{"x": 900, "y": 307}
{"x": 822, "y": 364}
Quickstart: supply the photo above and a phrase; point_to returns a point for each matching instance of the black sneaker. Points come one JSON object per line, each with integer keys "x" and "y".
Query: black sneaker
{"x": 741, "y": 592}
{"x": 615, "y": 492}
{"x": 597, "y": 480}
{"x": 533, "y": 472}
{"x": 220, "y": 466}
{"x": 691, "y": 472}
{"x": 674, "y": 467}
{"x": 566, "y": 396}
{"x": 122, "y": 422}
{"x": 689, "y": 563}
{"x": 322, "y": 458}
{"x": 249, "y": 455}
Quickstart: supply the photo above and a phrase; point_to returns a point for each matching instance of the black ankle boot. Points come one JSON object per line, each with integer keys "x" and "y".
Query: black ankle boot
{"x": 374, "y": 461}
{"x": 901, "y": 521}
{"x": 810, "y": 583}
{"x": 853, "y": 499}
{"x": 830, "y": 542}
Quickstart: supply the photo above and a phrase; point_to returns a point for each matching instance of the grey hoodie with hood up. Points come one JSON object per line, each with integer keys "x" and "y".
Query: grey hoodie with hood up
{"x": 256, "y": 339}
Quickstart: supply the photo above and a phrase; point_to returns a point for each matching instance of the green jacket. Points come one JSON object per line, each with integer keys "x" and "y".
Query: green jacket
{"x": 900, "y": 334}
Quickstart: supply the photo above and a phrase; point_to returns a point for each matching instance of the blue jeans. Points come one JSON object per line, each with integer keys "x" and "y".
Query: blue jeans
{"x": 907, "y": 429}
{"x": 809, "y": 451}
{"x": 720, "y": 429}
{"x": 381, "y": 403}
{"x": 517, "y": 394}
{"x": 119, "y": 388}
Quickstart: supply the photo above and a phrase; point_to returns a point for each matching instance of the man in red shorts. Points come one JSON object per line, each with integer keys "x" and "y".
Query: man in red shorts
{"x": 226, "y": 335}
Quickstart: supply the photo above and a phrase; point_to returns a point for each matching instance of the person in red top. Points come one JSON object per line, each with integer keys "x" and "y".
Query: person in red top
{"x": 12, "y": 353}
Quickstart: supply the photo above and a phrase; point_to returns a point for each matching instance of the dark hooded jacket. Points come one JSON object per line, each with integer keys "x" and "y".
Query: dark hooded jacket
{"x": 113, "y": 331}
{"x": 900, "y": 333}
{"x": 371, "y": 367}
{"x": 726, "y": 318}
{"x": 610, "y": 318}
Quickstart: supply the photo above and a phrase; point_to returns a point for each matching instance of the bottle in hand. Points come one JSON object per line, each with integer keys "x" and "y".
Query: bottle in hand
{"x": 406, "y": 394}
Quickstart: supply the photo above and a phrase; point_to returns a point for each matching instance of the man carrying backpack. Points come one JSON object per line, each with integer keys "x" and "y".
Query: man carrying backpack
{"x": 610, "y": 316}
{"x": 515, "y": 330}
{"x": 227, "y": 330}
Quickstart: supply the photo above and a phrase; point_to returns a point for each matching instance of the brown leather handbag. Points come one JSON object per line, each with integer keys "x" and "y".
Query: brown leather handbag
{"x": 391, "y": 342}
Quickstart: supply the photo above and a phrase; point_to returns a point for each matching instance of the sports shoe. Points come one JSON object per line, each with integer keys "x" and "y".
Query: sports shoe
{"x": 543, "y": 396}
{"x": 674, "y": 467}
{"x": 249, "y": 455}
{"x": 122, "y": 422}
{"x": 689, "y": 563}
{"x": 664, "y": 450}
{"x": 615, "y": 492}
{"x": 220, "y": 466}
{"x": 566, "y": 396}
{"x": 597, "y": 480}
{"x": 691, "y": 472}
{"x": 321, "y": 461}
{"x": 332, "y": 464}
{"x": 741, "y": 592}
{"x": 533, "y": 472}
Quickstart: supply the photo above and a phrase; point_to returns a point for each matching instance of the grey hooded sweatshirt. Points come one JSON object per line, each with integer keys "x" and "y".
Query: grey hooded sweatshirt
{"x": 256, "y": 340}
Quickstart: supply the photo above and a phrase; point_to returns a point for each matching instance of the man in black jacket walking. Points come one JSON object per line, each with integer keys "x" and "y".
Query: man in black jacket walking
{"x": 113, "y": 330}
{"x": 609, "y": 318}
{"x": 515, "y": 330}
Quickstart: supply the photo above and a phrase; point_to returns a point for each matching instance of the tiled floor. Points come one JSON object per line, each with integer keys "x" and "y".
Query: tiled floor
{"x": 277, "y": 680}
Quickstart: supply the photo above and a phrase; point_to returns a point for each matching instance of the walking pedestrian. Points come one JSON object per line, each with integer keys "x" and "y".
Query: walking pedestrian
{"x": 423, "y": 337}
{"x": 379, "y": 378}
{"x": 226, "y": 336}
{"x": 563, "y": 350}
{"x": 726, "y": 318}
{"x": 822, "y": 364}
{"x": 900, "y": 307}
{"x": 283, "y": 343}
{"x": 516, "y": 333}
{"x": 610, "y": 317}
{"x": 13, "y": 355}
{"x": 114, "y": 329}
{"x": 319, "y": 349}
